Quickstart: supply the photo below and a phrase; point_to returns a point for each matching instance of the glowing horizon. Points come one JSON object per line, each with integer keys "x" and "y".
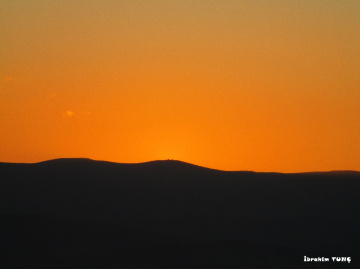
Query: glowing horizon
{"x": 230, "y": 85}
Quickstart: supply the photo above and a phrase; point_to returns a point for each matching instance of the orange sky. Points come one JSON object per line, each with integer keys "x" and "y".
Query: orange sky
{"x": 234, "y": 85}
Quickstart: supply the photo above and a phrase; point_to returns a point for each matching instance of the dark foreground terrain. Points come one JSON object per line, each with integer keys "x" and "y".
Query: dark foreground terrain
{"x": 79, "y": 213}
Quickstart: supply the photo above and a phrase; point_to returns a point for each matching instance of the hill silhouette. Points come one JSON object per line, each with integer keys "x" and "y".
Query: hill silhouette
{"x": 78, "y": 213}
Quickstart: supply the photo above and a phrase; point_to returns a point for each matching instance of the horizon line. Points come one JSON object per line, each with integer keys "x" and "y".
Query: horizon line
{"x": 180, "y": 161}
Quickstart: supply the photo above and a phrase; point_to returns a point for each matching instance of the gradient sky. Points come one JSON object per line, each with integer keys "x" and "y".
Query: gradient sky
{"x": 234, "y": 85}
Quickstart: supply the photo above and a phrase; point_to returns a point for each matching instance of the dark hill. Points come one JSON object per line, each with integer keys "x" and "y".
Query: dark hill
{"x": 174, "y": 214}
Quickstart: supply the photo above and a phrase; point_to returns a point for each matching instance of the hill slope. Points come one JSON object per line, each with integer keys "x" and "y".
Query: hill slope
{"x": 80, "y": 206}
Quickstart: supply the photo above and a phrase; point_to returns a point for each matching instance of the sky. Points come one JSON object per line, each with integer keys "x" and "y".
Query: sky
{"x": 233, "y": 85}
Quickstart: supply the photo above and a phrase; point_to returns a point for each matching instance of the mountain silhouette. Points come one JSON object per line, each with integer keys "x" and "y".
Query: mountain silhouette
{"x": 80, "y": 213}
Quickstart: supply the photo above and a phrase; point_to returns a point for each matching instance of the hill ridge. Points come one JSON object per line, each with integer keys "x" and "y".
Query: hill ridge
{"x": 177, "y": 163}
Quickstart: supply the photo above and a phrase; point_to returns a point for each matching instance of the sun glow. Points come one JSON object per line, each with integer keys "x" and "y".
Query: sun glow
{"x": 233, "y": 85}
